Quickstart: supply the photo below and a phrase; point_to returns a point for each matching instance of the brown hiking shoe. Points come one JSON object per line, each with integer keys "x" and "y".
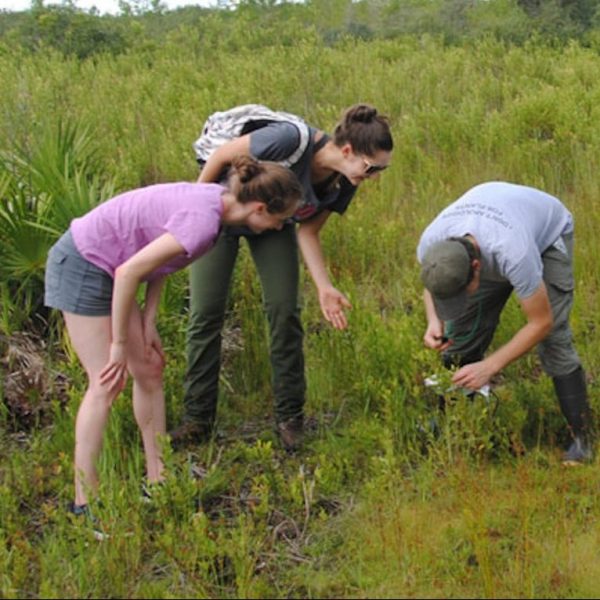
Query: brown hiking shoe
{"x": 291, "y": 433}
{"x": 190, "y": 432}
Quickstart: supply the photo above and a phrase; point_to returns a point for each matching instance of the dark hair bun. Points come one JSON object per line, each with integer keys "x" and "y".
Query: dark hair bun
{"x": 246, "y": 167}
{"x": 268, "y": 182}
{"x": 365, "y": 129}
{"x": 360, "y": 113}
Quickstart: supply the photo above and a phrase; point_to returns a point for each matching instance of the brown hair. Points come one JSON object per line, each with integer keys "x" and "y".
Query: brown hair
{"x": 364, "y": 129}
{"x": 268, "y": 182}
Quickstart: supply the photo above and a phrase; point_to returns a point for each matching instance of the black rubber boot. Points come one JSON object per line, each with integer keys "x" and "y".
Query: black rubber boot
{"x": 571, "y": 390}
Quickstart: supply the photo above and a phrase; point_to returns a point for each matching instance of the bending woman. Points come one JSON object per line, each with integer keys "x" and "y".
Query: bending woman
{"x": 95, "y": 269}
{"x": 330, "y": 170}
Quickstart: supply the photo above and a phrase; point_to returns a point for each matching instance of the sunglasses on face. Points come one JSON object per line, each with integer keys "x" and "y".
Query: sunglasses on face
{"x": 371, "y": 169}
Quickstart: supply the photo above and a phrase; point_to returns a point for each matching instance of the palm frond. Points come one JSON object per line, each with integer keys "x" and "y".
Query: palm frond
{"x": 42, "y": 190}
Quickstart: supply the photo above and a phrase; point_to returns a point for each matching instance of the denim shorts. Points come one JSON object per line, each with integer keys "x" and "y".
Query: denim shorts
{"x": 75, "y": 285}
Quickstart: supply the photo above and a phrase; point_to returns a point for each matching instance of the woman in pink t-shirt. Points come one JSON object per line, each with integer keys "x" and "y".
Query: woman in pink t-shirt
{"x": 93, "y": 273}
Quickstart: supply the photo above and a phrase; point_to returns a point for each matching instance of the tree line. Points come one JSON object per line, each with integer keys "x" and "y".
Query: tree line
{"x": 255, "y": 23}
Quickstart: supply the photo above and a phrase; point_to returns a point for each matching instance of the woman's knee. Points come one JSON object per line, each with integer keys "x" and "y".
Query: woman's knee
{"x": 100, "y": 395}
{"x": 208, "y": 317}
{"x": 148, "y": 370}
{"x": 284, "y": 315}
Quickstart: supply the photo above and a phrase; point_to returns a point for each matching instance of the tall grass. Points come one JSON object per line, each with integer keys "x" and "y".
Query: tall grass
{"x": 380, "y": 502}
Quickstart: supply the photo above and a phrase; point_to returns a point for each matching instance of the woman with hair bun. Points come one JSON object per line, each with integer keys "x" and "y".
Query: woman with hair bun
{"x": 93, "y": 273}
{"x": 330, "y": 169}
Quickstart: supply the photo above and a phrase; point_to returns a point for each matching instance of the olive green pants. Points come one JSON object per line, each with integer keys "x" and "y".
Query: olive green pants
{"x": 275, "y": 254}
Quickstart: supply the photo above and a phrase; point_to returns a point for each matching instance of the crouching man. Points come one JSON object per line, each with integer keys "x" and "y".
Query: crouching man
{"x": 495, "y": 238}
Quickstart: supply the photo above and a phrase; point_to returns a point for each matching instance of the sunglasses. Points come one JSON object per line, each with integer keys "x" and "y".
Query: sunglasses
{"x": 371, "y": 169}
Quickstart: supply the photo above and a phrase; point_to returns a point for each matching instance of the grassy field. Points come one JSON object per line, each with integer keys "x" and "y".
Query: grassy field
{"x": 376, "y": 504}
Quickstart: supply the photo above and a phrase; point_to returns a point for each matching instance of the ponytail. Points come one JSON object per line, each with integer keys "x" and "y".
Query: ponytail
{"x": 364, "y": 129}
{"x": 268, "y": 182}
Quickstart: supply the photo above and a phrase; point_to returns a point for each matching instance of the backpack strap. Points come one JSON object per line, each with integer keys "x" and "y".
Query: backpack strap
{"x": 321, "y": 142}
{"x": 294, "y": 157}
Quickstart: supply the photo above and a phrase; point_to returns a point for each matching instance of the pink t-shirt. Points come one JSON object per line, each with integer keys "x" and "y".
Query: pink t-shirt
{"x": 117, "y": 229}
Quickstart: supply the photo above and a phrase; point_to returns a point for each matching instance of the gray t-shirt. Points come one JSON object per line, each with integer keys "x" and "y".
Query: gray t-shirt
{"x": 276, "y": 142}
{"x": 513, "y": 225}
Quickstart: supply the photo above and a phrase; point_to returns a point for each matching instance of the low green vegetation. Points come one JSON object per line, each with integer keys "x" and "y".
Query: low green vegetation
{"x": 390, "y": 497}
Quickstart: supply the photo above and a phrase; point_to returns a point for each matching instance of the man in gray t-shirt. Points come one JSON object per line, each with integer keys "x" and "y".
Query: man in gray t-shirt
{"x": 496, "y": 238}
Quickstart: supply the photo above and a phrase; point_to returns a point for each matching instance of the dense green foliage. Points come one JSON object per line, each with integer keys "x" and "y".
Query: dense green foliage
{"x": 255, "y": 23}
{"x": 380, "y": 502}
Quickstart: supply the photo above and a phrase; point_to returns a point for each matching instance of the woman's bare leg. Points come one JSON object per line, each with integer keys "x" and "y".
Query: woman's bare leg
{"x": 146, "y": 367}
{"x": 90, "y": 337}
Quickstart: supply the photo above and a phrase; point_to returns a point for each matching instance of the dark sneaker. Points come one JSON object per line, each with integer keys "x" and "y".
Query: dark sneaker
{"x": 82, "y": 511}
{"x": 150, "y": 491}
{"x": 190, "y": 432}
{"x": 291, "y": 433}
{"x": 79, "y": 510}
{"x": 579, "y": 452}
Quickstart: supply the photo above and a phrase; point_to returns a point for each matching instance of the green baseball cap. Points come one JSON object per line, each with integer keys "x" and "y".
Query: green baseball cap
{"x": 445, "y": 271}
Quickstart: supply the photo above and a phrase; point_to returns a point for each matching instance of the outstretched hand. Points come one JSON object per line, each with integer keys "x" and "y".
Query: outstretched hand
{"x": 333, "y": 303}
{"x": 474, "y": 375}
